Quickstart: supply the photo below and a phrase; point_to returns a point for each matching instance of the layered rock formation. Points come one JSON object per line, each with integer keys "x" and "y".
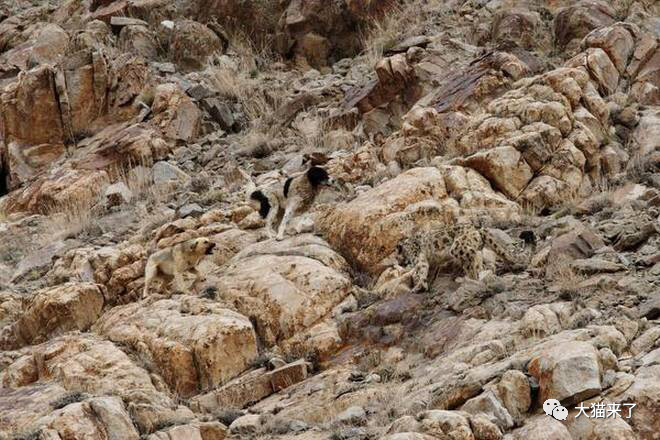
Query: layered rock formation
{"x": 128, "y": 127}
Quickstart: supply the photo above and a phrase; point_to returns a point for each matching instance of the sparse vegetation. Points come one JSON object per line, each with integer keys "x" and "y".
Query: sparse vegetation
{"x": 385, "y": 32}
{"x": 293, "y": 85}
{"x": 561, "y": 274}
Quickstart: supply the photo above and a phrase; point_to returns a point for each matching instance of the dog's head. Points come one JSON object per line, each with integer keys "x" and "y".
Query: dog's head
{"x": 318, "y": 176}
{"x": 259, "y": 202}
{"x": 201, "y": 246}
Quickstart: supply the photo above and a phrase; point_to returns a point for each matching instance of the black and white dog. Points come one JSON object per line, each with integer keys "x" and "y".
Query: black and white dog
{"x": 296, "y": 194}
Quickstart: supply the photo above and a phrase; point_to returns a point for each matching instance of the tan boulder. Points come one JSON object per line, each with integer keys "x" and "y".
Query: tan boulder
{"x": 116, "y": 268}
{"x": 46, "y": 44}
{"x": 569, "y": 372}
{"x": 96, "y": 35}
{"x": 617, "y": 41}
{"x": 600, "y": 429}
{"x": 644, "y": 51}
{"x": 301, "y": 19}
{"x": 138, "y": 39}
{"x": 544, "y": 191}
{"x": 245, "y": 390}
{"x": 99, "y": 417}
{"x": 515, "y": 393}
{"x": 645, "y": 394}
{"x": 474, "y": 193}
{"x": 315, "y": 49}
{"x": 504, "y": 167}
{"x": 121, "y": 146}
{"x": 193, "y": 431}
{"x": 519, "y": 26}
{"x": 28, "y": 104}
{"x": 577, "y": 20}
{"x": 20, "y": 408}
{"x": 286, "y": 287}
{"x": 287, "y": 375}
{"x": 95, "y": 366}
{"x": 358, "y": 228}
{"x": 17, "y": 29}
{"x": 545, "y": 319}
{"x": 581, "y": 242}
{"x": 542, "y": 428}
{"x": 600, "y": 67}
{"x": 409, "y": 436}
{"x": 484, "y": 429}
{"x": 384, "y": 100}
{"x": 192, "y": 44}
{"x": 193, "y": 343}
{"x": 647, "y": 133}
{"x": 47, "y": 108}
{"x": 646, "y": 86}
{"x": 488, "y": 405}
{"x": 175, "y": 113}
{"x": 54, "y": 311}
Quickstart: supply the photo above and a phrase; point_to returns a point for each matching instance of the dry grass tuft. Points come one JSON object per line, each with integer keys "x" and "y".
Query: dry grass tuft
{"x": 72, "y": 218}
{"x": 562, "y": 275}
{"x": 383, "y": 33}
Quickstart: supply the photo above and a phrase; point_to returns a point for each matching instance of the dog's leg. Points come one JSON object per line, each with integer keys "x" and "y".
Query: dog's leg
{"x": 270, "y": 218}
{"x": 194, "y": 276}
{"x": 179, "y": 281}
{"x": 288, "y": 213}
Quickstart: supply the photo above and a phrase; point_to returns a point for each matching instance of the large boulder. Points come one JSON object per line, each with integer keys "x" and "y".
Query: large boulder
{"x": 644, "y": 69}
{"x": 367, "y": 229}
{"x": 30, "y": 117}
{"x": 20, "y": 408}
{"x": 519, "y": 26}
{"x": 192, "y": 43}
{"x": 193, "y": 343}
{"x": 47, "y": 45}
{"x": 569, "y": 372}
{"x": 645, "y": 394}
{"x": 49, "y": 108}
{"x": 99, "y": 417}
{"x": 87, "y": 364}
{"x": 617, "y": 41}
{"x": 504, "y": 167}
{"x": 140, "y": 40}
{"x": 175, "y": 113}
{"x": 574, "y": 22}
{"x": 285, "y": 287}
{"x": 515, "y": 393}
{"x": 197, "y": 431}
{"x": 54, "y": 311}
{"x": 445, "y": 424}
{"x": 542, "y": 428}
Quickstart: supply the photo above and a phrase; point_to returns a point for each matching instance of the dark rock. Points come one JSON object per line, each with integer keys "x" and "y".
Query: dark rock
{"x": 220, "y": 112}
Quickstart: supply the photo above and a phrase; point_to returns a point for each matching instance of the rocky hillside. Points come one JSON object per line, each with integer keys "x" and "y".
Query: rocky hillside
{"x": 129, "y": 126}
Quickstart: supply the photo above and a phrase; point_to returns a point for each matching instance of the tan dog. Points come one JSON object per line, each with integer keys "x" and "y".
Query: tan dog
{"x": 174, "y": 261}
